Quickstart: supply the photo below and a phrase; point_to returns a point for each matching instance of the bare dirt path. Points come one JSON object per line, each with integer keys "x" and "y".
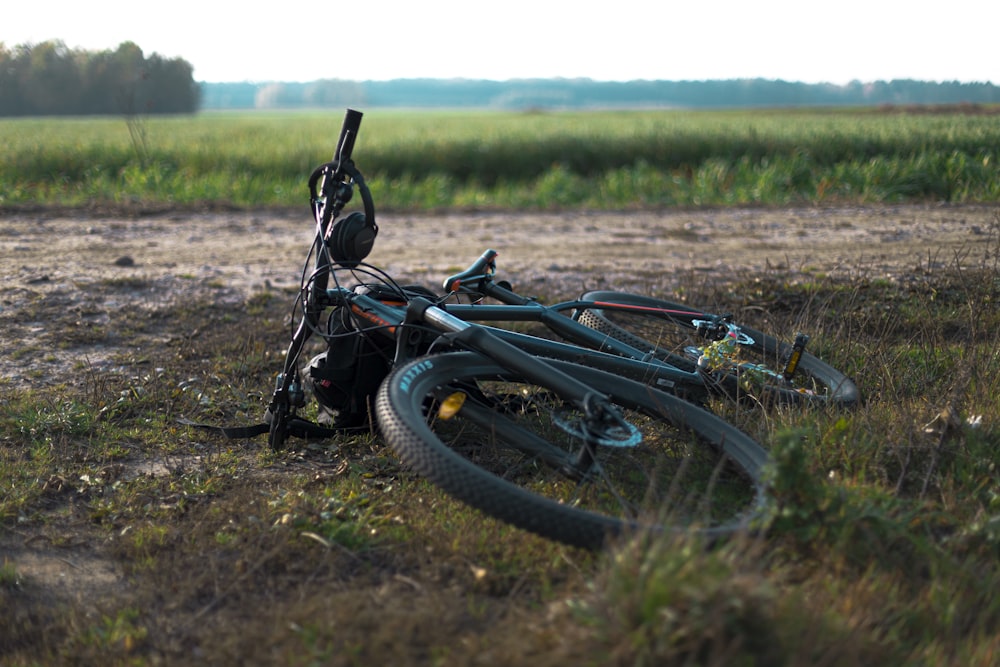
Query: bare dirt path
{"x": 63, "y": 275}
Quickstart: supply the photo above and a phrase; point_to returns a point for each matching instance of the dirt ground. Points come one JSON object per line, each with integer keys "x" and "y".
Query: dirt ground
{"x": 66, "y": 279}
{"x": 64, "y": 274}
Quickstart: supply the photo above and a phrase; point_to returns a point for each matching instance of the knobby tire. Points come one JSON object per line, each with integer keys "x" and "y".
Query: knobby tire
{"x": 692, "y": 471}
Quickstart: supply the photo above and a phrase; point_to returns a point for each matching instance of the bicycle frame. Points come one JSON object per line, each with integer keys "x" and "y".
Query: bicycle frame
{"x": 591, "y": 346}
{"x": 598, "y": 350}
{"x": 713, "y": 328}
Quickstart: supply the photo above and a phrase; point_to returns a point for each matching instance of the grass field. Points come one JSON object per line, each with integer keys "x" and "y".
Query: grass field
{"x": 881, "y": 546}
{"x": 432, "y": 160}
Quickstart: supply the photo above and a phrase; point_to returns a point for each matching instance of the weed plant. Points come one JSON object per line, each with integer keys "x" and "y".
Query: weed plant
{"x": 880, "y": 545}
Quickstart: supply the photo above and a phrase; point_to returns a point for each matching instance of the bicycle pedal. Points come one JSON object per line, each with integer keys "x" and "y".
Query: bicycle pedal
{"x": 791, "y": 362}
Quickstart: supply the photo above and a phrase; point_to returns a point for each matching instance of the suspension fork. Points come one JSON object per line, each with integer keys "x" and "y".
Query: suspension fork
{"x": 288, "y": 393}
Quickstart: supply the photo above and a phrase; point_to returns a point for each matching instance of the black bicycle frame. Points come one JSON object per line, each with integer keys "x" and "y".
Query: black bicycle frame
{"x": 589, "y": 346}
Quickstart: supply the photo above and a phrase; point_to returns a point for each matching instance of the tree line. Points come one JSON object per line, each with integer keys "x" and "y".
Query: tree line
{"x": 589, "y": 94}
{"x": 50, "y": 79}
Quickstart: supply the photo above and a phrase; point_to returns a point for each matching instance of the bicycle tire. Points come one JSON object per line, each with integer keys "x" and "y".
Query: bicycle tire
{"x": 672, "y": 337}
{"x": 693, "y": 471}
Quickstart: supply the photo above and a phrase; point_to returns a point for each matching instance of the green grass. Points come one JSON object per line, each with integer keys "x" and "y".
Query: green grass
{"x": 428, "y": 160}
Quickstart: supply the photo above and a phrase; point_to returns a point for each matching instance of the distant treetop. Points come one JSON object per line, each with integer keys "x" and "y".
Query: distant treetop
{"x": 51, "y": 79}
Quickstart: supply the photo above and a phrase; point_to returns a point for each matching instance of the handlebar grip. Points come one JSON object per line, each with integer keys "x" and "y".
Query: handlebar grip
{"x": 348, "y": 133}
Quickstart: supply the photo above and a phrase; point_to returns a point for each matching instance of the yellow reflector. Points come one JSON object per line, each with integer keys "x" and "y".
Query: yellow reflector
{"x": 451, "y": 405}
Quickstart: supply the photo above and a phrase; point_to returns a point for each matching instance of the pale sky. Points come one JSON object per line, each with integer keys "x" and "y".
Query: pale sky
{"x": 617, "y": 40}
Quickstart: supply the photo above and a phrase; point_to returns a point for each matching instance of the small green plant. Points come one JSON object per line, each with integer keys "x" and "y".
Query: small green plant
{"x": 9, "y": 576}
{"x": 672, "y": 599}
{"x": 121, "y": 633}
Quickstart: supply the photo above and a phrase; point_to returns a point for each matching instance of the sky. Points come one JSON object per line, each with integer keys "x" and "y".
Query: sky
{"x": 614, "y": 40}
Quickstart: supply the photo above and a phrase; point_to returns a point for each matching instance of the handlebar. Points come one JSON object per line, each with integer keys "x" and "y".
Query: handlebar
{"x": 326, "y": 178}
{"x": 331, "y": 185}
{"x": 348, "y": 134}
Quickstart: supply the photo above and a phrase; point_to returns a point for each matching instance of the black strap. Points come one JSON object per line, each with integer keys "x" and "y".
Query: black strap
{"x": 297, "y": 427}
{"x": 233, "y": 432}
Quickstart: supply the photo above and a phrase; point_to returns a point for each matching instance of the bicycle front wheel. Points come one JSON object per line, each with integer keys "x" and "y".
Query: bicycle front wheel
{"x": 508, "y": 447}
{"x": 677, "y": 334}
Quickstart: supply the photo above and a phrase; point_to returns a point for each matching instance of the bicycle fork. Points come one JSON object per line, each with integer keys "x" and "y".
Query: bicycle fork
{"x": 289, "y": 394}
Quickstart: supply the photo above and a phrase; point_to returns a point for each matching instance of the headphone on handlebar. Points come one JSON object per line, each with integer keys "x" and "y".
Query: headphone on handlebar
{"x": 351, "y": 238}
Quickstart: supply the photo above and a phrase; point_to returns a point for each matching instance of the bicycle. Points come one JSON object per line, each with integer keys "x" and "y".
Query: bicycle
{"x": 567, "y": 451}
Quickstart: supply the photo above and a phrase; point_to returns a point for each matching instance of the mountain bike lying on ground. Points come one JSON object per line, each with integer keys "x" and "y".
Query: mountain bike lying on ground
{"x": 568, "y": 451}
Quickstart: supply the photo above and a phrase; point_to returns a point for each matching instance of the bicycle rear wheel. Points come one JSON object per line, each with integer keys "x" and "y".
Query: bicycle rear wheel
{"x": 501, "y": 444}
{"x": 754, "y": 366}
